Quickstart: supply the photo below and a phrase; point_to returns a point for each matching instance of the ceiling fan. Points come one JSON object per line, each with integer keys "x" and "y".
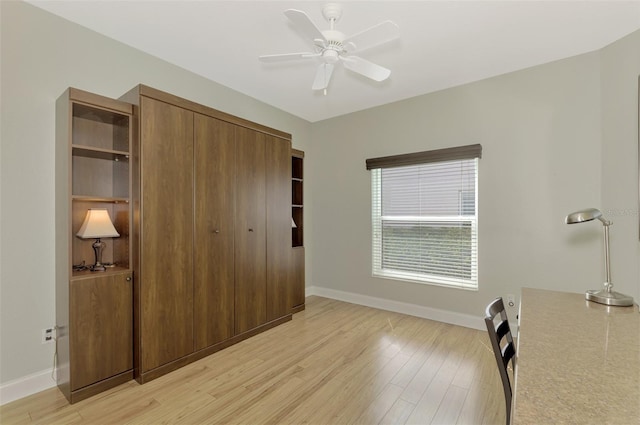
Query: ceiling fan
{"x": 332, "y": 46}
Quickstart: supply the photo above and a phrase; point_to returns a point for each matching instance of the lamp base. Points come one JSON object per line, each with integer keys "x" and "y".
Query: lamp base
{"x": 609, "y": 298}
{"x": 98, "y": 246}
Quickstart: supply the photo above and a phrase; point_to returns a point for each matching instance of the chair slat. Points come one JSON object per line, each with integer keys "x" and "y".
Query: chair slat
{"x": 502, "y": 329}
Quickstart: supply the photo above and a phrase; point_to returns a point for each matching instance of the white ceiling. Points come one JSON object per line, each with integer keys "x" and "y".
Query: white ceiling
{"x": 443, "y": 43}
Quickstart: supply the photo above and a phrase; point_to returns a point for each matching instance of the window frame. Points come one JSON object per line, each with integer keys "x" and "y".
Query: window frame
{"x": 441, "y": 155}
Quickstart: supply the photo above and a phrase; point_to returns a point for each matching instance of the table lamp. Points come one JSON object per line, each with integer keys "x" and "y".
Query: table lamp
{"x": 604, "y": 296}
{"x": 97, "y": 224}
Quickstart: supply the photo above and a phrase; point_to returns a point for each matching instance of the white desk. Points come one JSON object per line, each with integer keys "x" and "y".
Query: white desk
{"x": 577, "y": 362}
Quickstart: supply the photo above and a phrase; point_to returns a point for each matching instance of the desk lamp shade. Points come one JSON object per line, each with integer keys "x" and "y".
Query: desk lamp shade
{"x": 97, "y": 224}
{"x": 583, "y": 215}
{"x": 606, "y": 295}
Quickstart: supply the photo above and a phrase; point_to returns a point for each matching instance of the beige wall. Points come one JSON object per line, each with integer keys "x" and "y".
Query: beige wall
{"x": 42, "y": 55}
{"x": 620, "y": 70}
{"x": 556, "y": 138}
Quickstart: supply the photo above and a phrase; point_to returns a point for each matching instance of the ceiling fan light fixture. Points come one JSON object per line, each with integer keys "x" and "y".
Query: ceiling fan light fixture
{"x": 330, "y": 56}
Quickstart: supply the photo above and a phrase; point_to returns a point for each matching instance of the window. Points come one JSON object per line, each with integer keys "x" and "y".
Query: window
{"x": 424, "y": 216}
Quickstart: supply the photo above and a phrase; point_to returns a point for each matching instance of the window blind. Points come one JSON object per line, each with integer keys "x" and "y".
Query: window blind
{"x": 424, "y": 222}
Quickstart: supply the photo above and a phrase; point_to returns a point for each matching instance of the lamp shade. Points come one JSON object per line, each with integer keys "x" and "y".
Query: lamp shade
{"x": 583, "y": 215}
{"x": 97, "y": 224}
{"x": 293, "y": 223}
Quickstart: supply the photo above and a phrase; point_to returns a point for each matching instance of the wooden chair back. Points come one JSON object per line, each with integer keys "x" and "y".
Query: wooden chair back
{"x": 502, "y": 344}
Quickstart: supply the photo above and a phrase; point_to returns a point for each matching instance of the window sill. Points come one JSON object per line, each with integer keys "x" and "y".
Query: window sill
{"x": 426, "y": 281}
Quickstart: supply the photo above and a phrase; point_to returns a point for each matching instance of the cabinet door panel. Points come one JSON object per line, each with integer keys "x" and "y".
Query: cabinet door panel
{"x": 278, "y": 182}
{"x": 100, "y": 322}
{"x": 250, "y": 231}
{"x": 166, "y": 281}
{"x": 297, "y": 276}
{"x": 215, "y": 159}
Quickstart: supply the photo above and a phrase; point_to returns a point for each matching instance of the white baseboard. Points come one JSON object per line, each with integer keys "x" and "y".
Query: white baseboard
{"x": 26, "y": 386}
{"x": 459, "y": 319}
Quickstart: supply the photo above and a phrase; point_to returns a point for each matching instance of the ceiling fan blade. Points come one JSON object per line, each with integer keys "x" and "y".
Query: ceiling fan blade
{"x": 366, "y": 68}
{"x": 287, "y": 56}
{"x": 304, "y": 24}
{"x": 378, "y": 34}
{"x": 323, "y": 76}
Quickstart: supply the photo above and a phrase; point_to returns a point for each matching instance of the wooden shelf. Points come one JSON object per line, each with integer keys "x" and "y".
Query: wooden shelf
{"x": 296, "y": 165}
{"x": 100, "y": 172}
{"x": 100, "y": 129}
{"x": 83, "y": 274}
{"x": 110, "y": 200}
{"x": 98, "y": 153}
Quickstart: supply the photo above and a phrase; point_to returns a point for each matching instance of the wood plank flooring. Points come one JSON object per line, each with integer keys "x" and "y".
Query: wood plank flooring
{"x": 334, "y": 363}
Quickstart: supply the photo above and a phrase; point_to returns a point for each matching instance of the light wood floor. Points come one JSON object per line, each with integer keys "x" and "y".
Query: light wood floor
{"x": 334, "y": 363}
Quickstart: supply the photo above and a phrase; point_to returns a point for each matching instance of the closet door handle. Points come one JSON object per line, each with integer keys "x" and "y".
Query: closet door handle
{"x": 128, "y": 279}
{"x": 216, "y": 231}
{"x": 250, "y": 229}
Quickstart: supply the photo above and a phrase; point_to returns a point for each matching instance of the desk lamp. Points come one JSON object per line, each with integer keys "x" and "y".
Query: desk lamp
{"x": 604, "y": 296}
{"x": 97, "y": 224}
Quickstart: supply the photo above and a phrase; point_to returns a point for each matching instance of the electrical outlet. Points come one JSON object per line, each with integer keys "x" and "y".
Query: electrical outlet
{"x": 511, "y": 300}
{"x": 47, "y": 336}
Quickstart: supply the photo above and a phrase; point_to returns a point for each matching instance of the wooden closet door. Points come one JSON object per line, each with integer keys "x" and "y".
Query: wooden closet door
{"x": 250, "y": 231}
{"x": 215, "y": 160}
{"x": 101, "y": 317}
{"x": 278, "y": 181}
{"x": 166, "y": 281}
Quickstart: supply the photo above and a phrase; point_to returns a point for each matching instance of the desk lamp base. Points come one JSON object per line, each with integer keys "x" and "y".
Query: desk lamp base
{"x": 609, "y": 297}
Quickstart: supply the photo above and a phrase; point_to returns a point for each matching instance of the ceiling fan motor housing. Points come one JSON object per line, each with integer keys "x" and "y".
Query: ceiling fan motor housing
{"x": 333, "y": 47}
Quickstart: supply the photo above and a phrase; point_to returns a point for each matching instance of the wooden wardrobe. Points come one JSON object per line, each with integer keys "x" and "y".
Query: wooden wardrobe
{"x": 212, "y": 230}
